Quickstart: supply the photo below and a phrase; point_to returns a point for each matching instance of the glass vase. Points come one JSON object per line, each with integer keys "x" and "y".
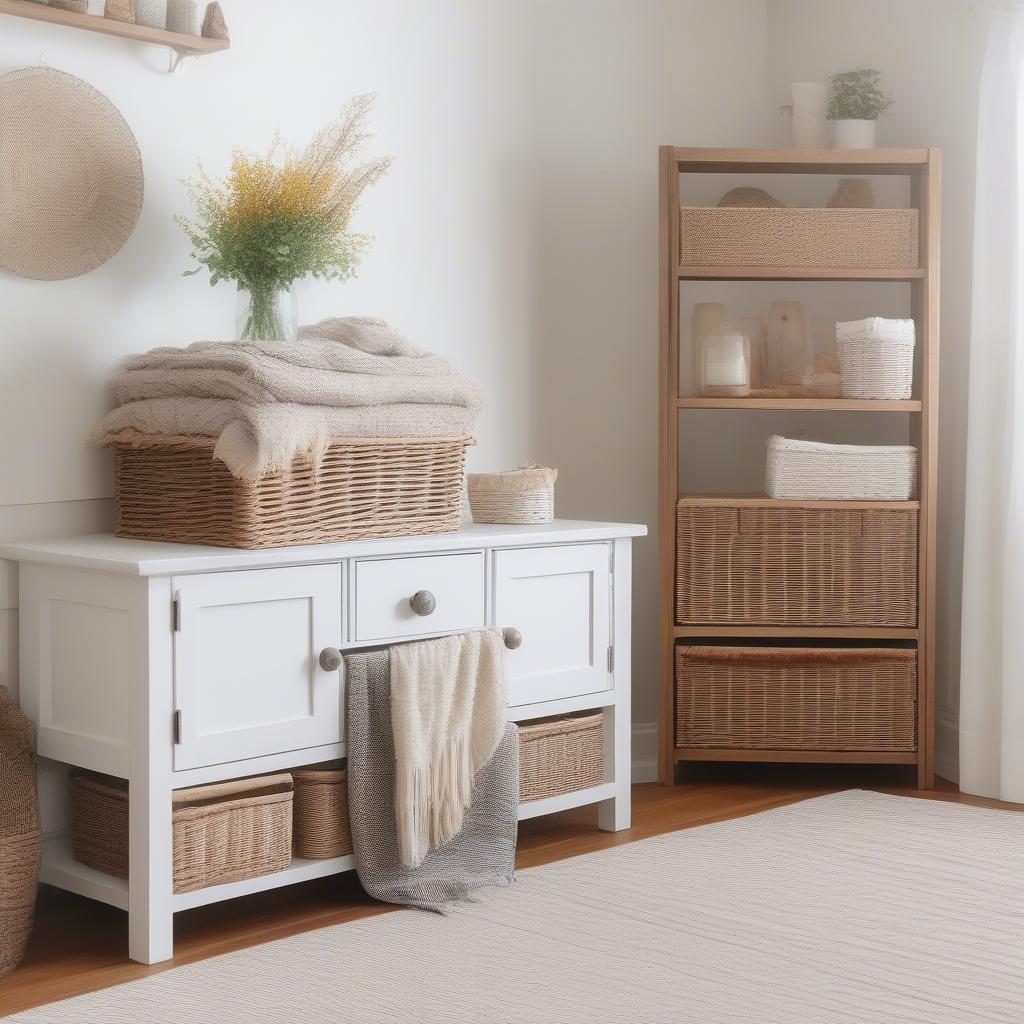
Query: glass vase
{"x": 267, "y": 314}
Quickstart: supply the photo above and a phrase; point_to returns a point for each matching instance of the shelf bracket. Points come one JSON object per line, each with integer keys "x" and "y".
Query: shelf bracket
{"x": 176, "y": 59}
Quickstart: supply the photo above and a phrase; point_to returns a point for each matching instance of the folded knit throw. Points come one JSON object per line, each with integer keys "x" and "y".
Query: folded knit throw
{"x": 267, "y": 402}
{"x": 448, "y": 713}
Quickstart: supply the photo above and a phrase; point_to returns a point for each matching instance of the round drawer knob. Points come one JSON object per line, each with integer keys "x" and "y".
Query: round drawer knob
{"x": 330, "y": 659}
{"x": 423, "y": 602}
{"x": 513, "y": 639}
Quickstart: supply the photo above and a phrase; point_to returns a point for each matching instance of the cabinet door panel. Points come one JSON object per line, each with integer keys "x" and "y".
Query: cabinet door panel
{"x": 247, "y": 676}
{"x": 559, "y": 599}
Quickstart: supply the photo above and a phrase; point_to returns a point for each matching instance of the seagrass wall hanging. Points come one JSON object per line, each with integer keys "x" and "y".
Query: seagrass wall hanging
{"x": 71, "y": 182}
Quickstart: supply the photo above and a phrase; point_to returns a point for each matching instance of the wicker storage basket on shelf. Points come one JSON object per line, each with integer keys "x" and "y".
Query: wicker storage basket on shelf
{"x": 560, "y": 755}
{"x": 320, "y": 826}
{"x": 760, "y": 698}
{"x": 745, "y": 561}
{"x": 876, "y": 358}
{"x": 21, "y": 837}
{"x": 769, "y": 237}
{"x": 222, "y": 833}
{"x": 840, "y": 472}
{"x": 172, "y": 489}
{"x": 524, "y": 495}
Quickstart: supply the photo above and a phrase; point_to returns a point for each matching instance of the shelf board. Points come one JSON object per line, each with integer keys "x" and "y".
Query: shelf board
{"x": 691, "y": 631}
{"x": 760, "y": 500}
{"x": 800, "y": 161}
{"x": 805, "y": 404}
{"x": 797, "y": 756}
{"x": 797, "y": 273}
{"x": 193, "y": 46}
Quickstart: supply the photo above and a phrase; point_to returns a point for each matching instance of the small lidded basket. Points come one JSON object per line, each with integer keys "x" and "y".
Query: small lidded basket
{"x": 519, "y": 496}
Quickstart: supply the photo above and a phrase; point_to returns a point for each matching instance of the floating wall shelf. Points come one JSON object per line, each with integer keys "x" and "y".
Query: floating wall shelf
{"x": 182, "y": 45}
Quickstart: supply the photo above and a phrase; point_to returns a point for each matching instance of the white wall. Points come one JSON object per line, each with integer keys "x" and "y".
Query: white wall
{"x": 517, "y": 232}
{"x": 931, "y": 53}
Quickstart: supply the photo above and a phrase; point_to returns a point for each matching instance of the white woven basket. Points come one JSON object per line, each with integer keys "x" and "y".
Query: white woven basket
{"x": 840, "y": 472}
{"x": 524, "y": 495}
{"x": 876, "y": 358}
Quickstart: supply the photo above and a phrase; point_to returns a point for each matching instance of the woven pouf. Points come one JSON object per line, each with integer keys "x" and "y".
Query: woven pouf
{"x": 21, "y": 839}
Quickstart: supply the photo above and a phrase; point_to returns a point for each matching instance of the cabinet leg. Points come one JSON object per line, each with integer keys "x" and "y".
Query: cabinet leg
{"x": 615, "y": 814}
{"x": 150, "y": 880}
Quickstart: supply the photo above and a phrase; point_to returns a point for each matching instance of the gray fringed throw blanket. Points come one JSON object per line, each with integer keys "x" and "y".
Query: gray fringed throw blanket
{"x": 483, "y": 852}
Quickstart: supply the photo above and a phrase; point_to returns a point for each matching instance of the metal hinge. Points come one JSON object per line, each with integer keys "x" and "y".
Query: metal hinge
{"x": 176, "y": 613}
{"x": 611, "y": 659}
{"x": 177, "y": 728}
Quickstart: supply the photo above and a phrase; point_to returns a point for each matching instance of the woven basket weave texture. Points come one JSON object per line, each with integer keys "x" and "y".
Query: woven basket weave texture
{"x": 520, "y": 496}
{"x": 21, "y": 840}
{"x": 756, "y": 564}
{"x": 320, "y": 825}
{"x": 799, "y": 470}
{"x": 767, "y": 237}
{"x": 222, "y": 833}
{"x": 172, "y": 489}
{"x": 560, "y": 755}
{"x": 751, "y": 698}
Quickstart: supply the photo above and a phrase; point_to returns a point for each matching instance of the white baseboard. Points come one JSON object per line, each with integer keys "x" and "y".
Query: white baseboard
{"x": 645, "y": 751}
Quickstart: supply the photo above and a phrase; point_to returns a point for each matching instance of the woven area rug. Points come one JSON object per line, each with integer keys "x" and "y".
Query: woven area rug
{"x": 852, "y": 908}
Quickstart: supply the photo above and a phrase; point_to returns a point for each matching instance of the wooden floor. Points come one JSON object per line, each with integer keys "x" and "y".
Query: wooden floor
{"x": 79, "y": 945}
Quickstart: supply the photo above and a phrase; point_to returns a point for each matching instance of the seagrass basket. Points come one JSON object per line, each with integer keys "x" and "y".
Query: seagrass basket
{"x": 790, "y": 237}
{"x": 519, "y": 496}
{"x": 752, "y": 562}
{"x": 560, "y": 755}
{"x": 222, "y": 833}
{"x": 763, "y": 698}
{"x": 320, "y": 827}
{"x": 172, "y": 489}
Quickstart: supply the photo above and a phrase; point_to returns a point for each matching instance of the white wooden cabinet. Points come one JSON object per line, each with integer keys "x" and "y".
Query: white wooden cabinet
{"x": 175, "y": 665}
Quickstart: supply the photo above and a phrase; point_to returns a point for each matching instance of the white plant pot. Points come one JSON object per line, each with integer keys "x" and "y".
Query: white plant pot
{"x": 810, "y": 101}
{"x": 852, "y": 134}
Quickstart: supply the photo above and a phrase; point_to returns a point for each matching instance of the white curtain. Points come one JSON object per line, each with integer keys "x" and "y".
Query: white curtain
{"x": 992, "y": 660}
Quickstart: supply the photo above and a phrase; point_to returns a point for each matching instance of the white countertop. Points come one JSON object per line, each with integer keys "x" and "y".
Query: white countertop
{"x": 106, "y": 553}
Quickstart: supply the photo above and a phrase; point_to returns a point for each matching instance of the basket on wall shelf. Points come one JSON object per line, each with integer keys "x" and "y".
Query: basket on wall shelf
{"x": 173, "y": 489}
{"x": 764, "y": 698}
{"x": 320, "y": 825}
{"x": 523, "y": 495}
{"x": 840, "y": 472}
{"x": 876, "y": 358}
{"x": 790, "y": 237}
{"x": 794, "y": 566}
{"x": 222, "y": 833}
{"x": 560, "y": 755}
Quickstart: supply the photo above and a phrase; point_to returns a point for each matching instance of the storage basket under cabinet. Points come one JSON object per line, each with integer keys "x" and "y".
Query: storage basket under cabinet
{"x": 222, "y": 833}
{"x": 560, "y": 755}
{"x": 757, "y": 698}
{"x": 320, "y": 824}
{"x": 173, "y": 489}
{"x": 753, "y": 562}
{"x": 787, "y": 237}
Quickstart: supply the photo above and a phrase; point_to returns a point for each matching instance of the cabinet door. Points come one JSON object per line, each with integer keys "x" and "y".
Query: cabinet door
{"x": 559, "y": 599}
{"x": 247, "y": 675}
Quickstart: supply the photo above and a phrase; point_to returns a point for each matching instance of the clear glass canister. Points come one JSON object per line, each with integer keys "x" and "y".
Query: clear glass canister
{"x": 723, "y": 362}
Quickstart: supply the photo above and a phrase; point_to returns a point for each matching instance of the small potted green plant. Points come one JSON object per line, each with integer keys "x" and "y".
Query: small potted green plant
{"x": 856, "y": 102}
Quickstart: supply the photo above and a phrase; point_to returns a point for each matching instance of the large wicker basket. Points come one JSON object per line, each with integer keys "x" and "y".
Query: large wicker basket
{"x": 222, "y": 833}
{"x": 320, "y": 825}
{"x": 750, "y": 562}
{"x": 782, "y": 237}
{"x": 761, "y": 698}
{"x": 560, "y": 755}
{"x": 172, "y": 489}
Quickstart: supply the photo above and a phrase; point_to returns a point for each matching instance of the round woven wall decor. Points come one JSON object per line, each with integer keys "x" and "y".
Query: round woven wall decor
{"x": 70, "y": 175}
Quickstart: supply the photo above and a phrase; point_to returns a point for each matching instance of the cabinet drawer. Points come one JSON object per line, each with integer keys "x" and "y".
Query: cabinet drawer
{"x": 453, "y": 596}
{"x": 559, "y": 599}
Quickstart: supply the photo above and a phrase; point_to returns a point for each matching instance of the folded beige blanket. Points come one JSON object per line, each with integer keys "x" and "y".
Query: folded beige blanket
{"x": 448, "y": 710}
{"x": 267, "y": 402}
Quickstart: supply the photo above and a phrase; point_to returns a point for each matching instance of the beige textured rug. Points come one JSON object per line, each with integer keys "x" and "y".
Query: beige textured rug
{"x": 854, "y": 908}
